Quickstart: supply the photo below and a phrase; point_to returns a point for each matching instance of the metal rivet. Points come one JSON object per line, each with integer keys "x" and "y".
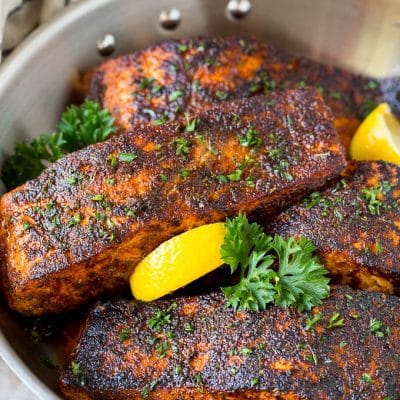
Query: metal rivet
{"x": 106, "y": 46}
{"x": 170, "y": 19}
{"x": 238, "y": 8}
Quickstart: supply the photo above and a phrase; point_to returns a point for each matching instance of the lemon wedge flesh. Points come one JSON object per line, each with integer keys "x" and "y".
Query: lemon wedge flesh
{"x": 178, "y": 261}
{"x": 378, "y": 137}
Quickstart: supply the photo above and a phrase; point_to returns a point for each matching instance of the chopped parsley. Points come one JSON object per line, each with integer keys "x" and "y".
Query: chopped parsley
{"x": 127, "y": 157}
{"x": 191, "y": 124}
{"x": 26, "y": 225}
{"x": 160, "y": 319}
{"x": 184, "y": 173}
{"x": 312, "y": 321}
{"x": 145, "y": 82}
{"x": 77, "y": 371}
{"x": 97, "y": 197}
{"x": 246, "y": 352}
{"x": 182, "y": 147}
{"x": 124, "y": 334}
{"x": 221, "y": 95}
{"x": 159, "y": 121}
{"x": 250, "y": 138}
{"x": 335, "y": 321}
{"x": 75, "y": 220}
{"x": 366, "y": 378}
{"x": 272, "y": 269}
{"x": 175, "y": 95}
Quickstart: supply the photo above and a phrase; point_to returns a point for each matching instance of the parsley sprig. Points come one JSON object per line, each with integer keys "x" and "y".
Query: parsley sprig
{"x": 273, "y": 270}
{"x": 78, "y": 127}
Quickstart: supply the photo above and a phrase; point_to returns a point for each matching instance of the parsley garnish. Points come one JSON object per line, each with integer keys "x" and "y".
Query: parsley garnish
{"x": 366, "y": 378}
{"x": 334, "y": 321}
{"x": 161, "y": 318}
{"x": 272, "y": 269}
{"x": 77, "y": 371}
{"x": 182, "y": 147}
{"x": 124, "y": 334}
{"x": 221, "y": 95}
{"x": 311, "y": 322}
{"x": 127, "y": 157}
{"x": 175, "y": 95}
{"x": 79, "y": 127}
{"x": 191, "y": 124}
{"x": 145, "y": 82}
{"x": 250, "y": 138}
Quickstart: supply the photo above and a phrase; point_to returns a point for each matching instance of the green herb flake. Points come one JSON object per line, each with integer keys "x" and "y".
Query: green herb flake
{"x": 163, "y": 178}
{"x": 145, "y": 393}
{"x": 342, "y": 344}
{"x": 145, "y": 82}
{"x": 334, "y": 94}
{"x": 366, "y": 378}
{"x": 312, "y": 321}
{"x": 246, "y": 352}
{"x": 124, "y": 334}
{"x": 175, "y": 95}
{"x": 113, "y": 160}
{"x": 312, "y": 358}
{"x": 335, "y": 321}
{"x": 184, "y": 173}
{"x": 26, "y": 225}
{"x": 97, "y": 197}
{"x": 178, "y": 369}
{"x": 221, "y": 95}
{"x": 187, "y": 327}
{"x": 162, "y": 349}
{"x": 199, "y": 379}
{"x": 372, "y": 84}
{"x": 77, "y": 371}
{"x": 250, "y": 138}
{"x": 75, "y": 220}
{"x": 255, "y": 381}
{"x": 191, "y": 123}
{"x": 235, "y": 176}
{"x": 159, "y": 320}
{"x": 127, "y": 157}
{"x": 156, "y": 88}
{"x": 131, "y": 213}
{"x": 222, "y": 179}
{"x": 72, "y": 179}
{"x": 182, "y": 147}
{"x": 182, "y": 48}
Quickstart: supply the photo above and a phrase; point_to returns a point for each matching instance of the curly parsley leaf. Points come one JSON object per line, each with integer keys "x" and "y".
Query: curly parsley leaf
{"x": 273, "y": 270}
{"x": 79, "y": 127}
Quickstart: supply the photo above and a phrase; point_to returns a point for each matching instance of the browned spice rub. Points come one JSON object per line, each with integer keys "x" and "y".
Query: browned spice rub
{"x": 79, "y": 229}
{"x": 196, "y": 348}
{"x": 355, "y": 225}
{"x": 164, "y": 81}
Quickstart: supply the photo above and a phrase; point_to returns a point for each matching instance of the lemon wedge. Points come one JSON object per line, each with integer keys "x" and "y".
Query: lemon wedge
{"x": 178, "y": 261}
{"x": 378, "y": 137}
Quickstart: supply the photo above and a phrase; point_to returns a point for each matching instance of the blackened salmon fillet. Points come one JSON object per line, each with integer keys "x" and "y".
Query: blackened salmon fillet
{"x": 79, "y": 229}
{"x": 355, "y": 225}
{"x": 164, "y": 81}
{"x": 196, "y": 348}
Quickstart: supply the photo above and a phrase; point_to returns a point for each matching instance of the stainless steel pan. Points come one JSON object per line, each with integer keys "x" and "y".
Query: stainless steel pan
{"x": 38, "y": 80}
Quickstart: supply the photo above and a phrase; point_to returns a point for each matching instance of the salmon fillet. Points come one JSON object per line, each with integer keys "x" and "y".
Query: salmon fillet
{"x": 166, "y": 80}
{"x": 355, "y": 225}
{"x": 79, "y": 229}
{"x": 195, "y": 348}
